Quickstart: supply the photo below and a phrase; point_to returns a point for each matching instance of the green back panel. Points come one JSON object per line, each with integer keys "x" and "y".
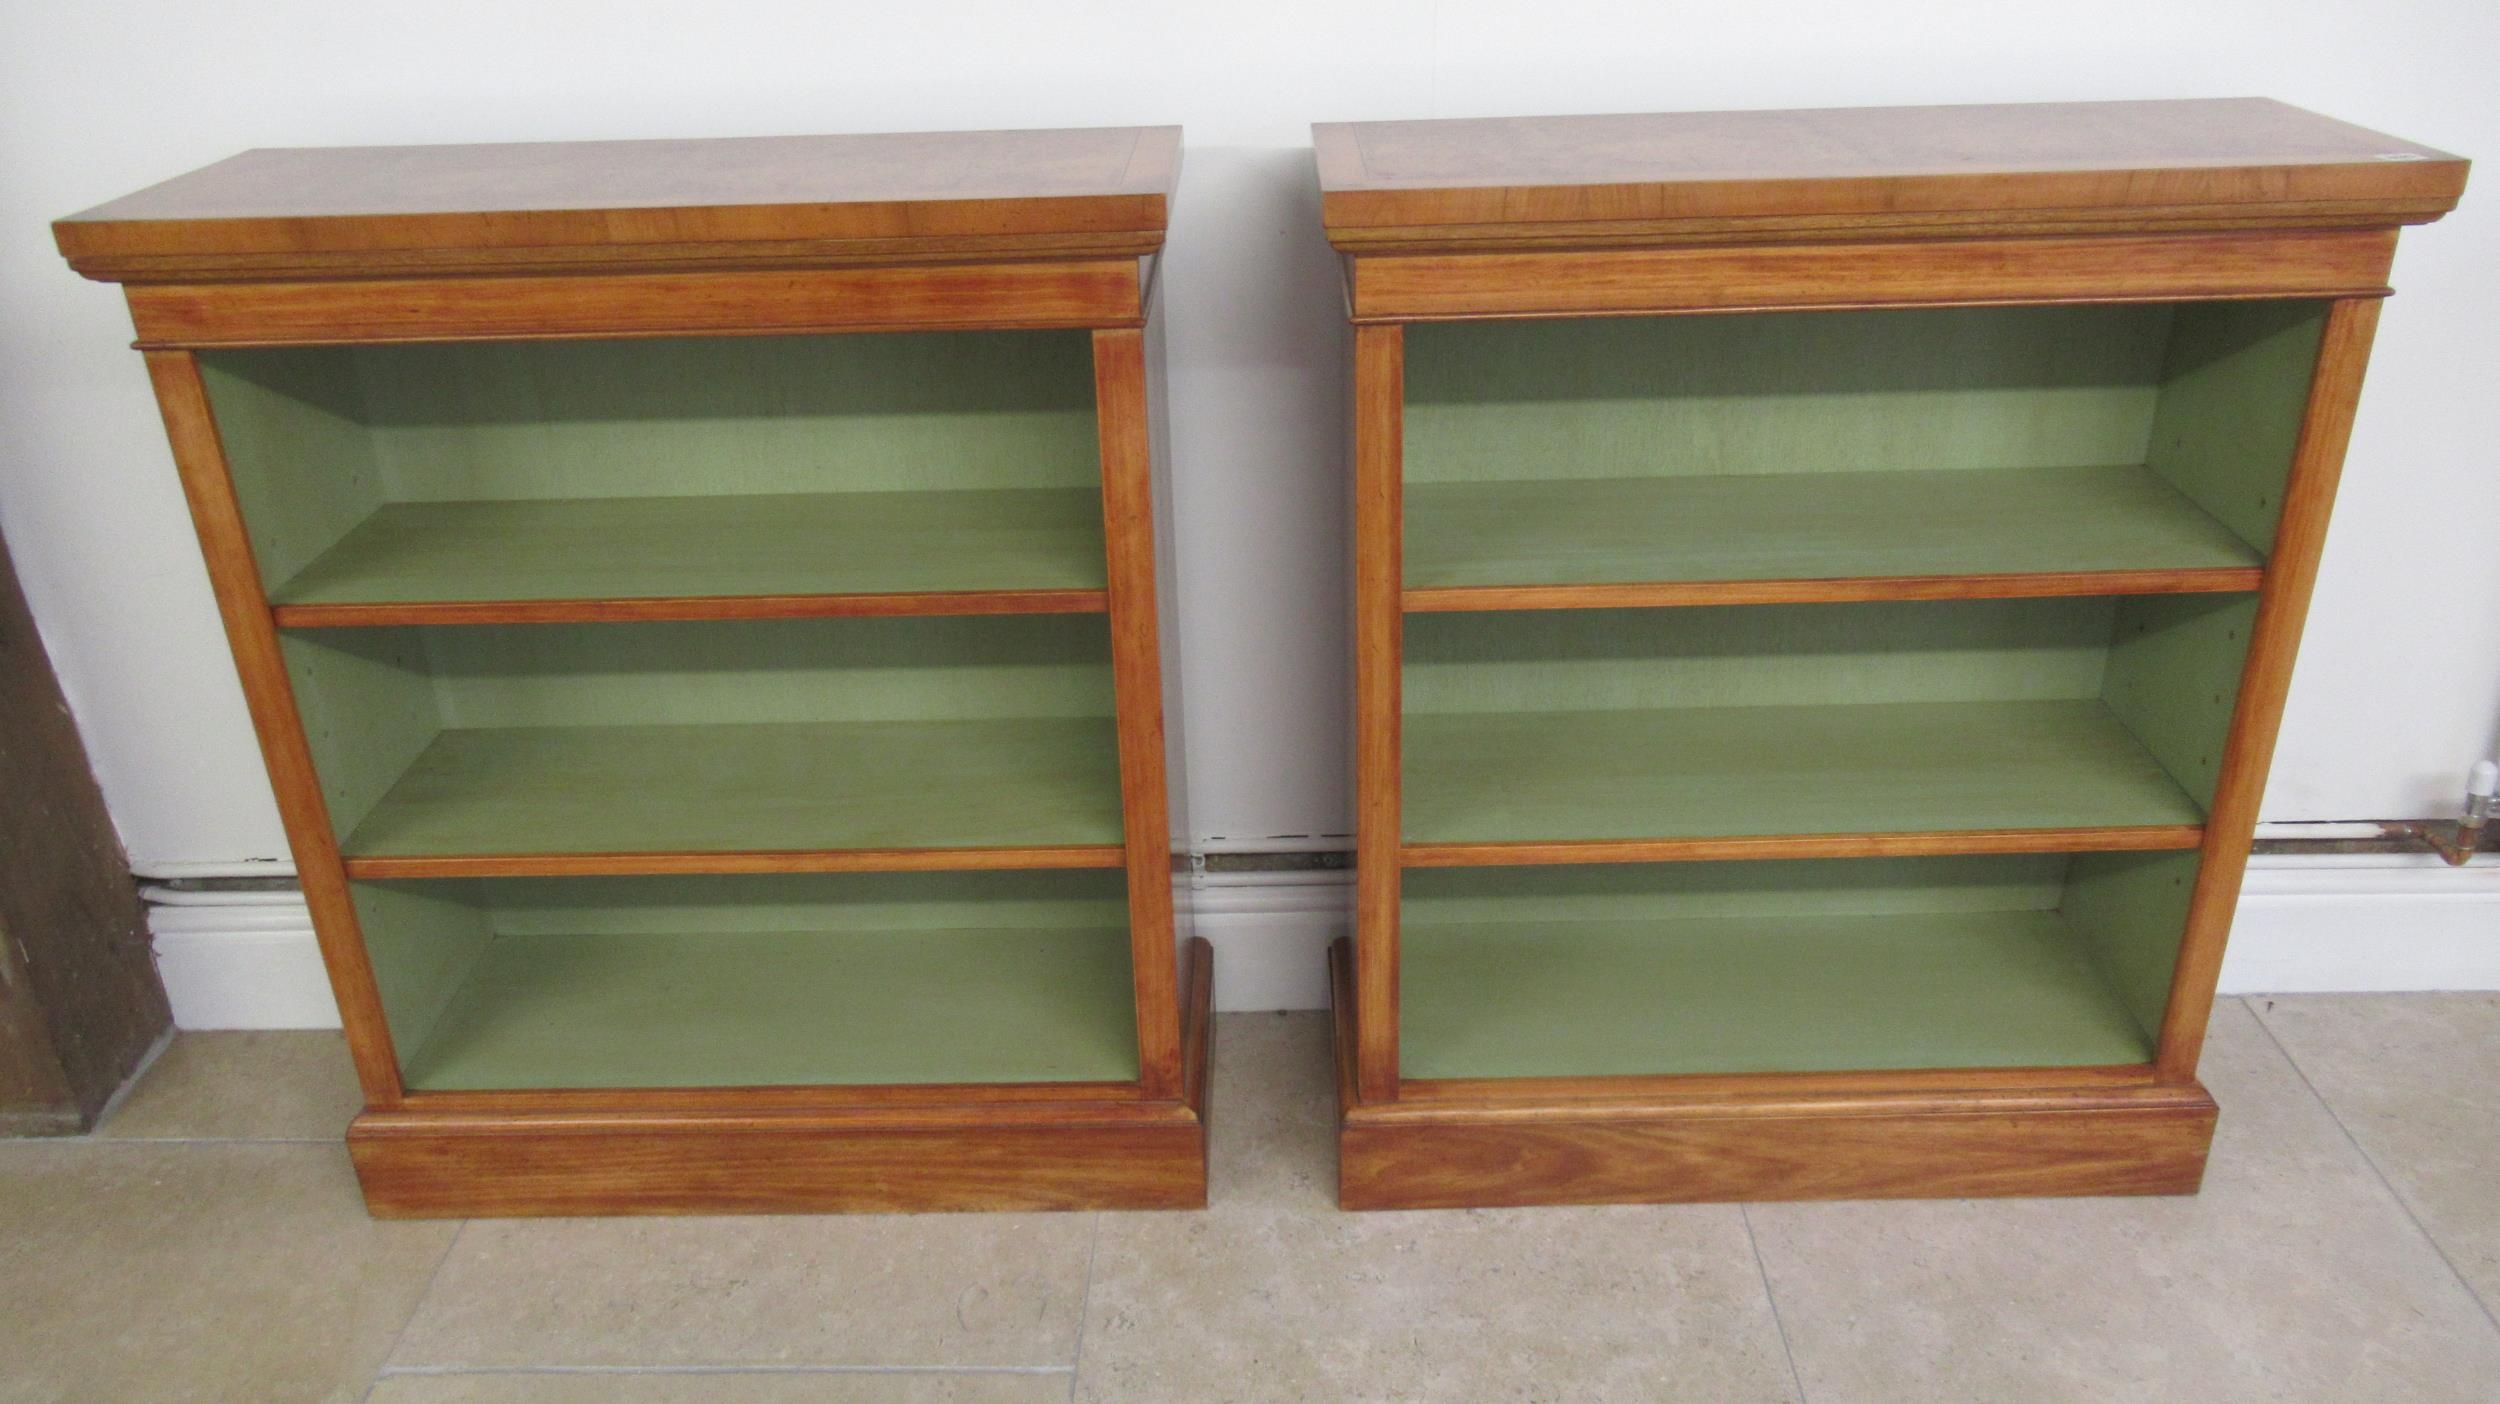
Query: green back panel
{"x": 1579, "y": 892}
{"x": 1807, "y": 526}
{"x": 1701, "y": 772}
{"x": 714, "y": 736}
{"x": 744, "y": 544}
{"x": 902, "y": 669}
{"x": 321, "y": 437}
{"x": 303, "y": 463}
{"x": 1755, "y": 656}
{"x": 2233, "y": 390}
{"x": 425, "y": 942}
{"x": 710, "y": 981}
{"x": 2131, "y": 910}
{"x": 1536, "y": 998}
{"x": 2174, "y": 675}
{"x": 1805, "y": 392}
{"x": 937, "y": 410}
{"x": 758, "y": 786}
{"x": 698, "y": 905}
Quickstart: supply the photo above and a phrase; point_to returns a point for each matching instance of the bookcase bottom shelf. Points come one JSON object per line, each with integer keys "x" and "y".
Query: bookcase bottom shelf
{"x": 744, "y": 1157}
{"x": 803, "y": 1008}
{"x": 2145, "y": 1139}
{"x": 1751, "y": 994}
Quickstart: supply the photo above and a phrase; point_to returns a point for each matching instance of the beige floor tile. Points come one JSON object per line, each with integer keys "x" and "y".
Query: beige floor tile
{"x": 1275, "y": 1295}
{"x": 158, "y": 1273}
{"x": 2292, "y": 1277}
{"x": 272, "y": 1085}
{"x": 698, "y": 1388}
{"x": 851, "y": 1290}
{"x": 2416, "y": 1079}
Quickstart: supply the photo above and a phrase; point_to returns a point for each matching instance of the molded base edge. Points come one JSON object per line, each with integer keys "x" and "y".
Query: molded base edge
{"x": 880, "y": 1159}
{"x": 1913, "y": 1144}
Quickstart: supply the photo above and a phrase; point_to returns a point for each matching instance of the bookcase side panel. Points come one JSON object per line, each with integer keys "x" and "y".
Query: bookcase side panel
{"x": 304, "y": 464}
{"x": 2131, "y": 910}
{"x": 2235, "y": 384}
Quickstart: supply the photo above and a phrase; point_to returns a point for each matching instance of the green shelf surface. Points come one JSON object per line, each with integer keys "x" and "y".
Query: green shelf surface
{"x": 738, "y": 1009}
{"x": 1756, "y": 994}
{"x": 754, "y": 786}
{"x": 1701, "y": 772}
{"x": 835, "y": 543}
{"x": 1808, "y": 526}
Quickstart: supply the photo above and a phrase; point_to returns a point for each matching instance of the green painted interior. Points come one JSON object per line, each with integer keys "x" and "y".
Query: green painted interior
{"x": 2174, "y": 675}
{"x": 792, "y": 980}
{"x": 1742, "y": 720}
{"x": 2235, "y": 382}
{"x": 535, "y": 470}
{"x": 424, "y": 943}
{"x": 1831, "y": 444}
{"x": 1837, "y": 965}
{"x": 1802, "y": 446}
{"x": 718, "y": 736}
{"x": 747, "y": 544}
{"x": 2131, "y": 909}
{"x": 1808, "y": 526}
{"x": 1796, "y": 392}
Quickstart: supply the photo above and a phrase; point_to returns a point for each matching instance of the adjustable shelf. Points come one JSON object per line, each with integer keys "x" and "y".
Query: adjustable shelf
{"x": 889, "y": 742}
{"x": 1821, "y": 618}
{"x": 707, "y": 646}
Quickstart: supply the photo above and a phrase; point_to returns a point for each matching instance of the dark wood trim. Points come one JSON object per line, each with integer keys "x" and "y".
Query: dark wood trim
{"x": 1379, "y": 409}
{"x": 822, "y": 860}
{"x": 2265, "y": 680}
{"x": 2130, "y": 839}
{"x": 956, "y": 297}
{"x": 2100, "y": 268}
{"x": 1121, "y": 411}
{"x": 234, "y": 573}
{"x": 1449, "y": 599}
{"x": 708, "y": 607}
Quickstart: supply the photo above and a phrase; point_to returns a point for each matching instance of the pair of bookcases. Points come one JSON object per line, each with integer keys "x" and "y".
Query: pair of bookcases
{"x": 1808, "y": 748}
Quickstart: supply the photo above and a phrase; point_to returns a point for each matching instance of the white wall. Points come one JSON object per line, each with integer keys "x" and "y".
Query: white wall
{"x": 2398, "y": 691}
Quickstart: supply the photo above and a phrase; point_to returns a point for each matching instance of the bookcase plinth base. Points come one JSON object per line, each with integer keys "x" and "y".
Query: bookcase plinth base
{"x": 769, "y": 1165}
{"x": 1441, "y": 1154}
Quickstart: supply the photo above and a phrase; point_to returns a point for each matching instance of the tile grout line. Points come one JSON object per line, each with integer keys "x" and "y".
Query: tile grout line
{"x": 1772, "y": 1298}
{"x": 1084, "y": 1306}
{"x": 400, "y": 1337}
{"x": 462, "y": 1371}
{"x": 2372, "y": 1161}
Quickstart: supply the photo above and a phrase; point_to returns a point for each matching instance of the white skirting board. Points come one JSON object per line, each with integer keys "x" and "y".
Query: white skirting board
{"x": 2306, "y": 924}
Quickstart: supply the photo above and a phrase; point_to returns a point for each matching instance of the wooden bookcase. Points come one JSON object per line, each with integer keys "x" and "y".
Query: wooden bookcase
{"x": 700, "y": 606}
{"x": 1825, "y": 585}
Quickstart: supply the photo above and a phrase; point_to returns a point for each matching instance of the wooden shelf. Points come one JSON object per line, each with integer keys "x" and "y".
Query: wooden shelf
{"x": 2067, "y": 772}
{"x": 515, "y": 800}
{"x": 1987, "y": 989}
{"x": 752, "y": 1009}
{"x": 1795, "y": 537}
{"x": 722, "y": 557}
